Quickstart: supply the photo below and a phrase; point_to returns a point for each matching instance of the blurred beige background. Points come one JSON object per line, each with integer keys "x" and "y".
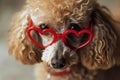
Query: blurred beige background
{"x": 10, "y": 69}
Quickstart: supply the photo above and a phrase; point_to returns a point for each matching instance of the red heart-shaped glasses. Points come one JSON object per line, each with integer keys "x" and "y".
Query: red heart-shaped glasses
{"x": 57, "y": 36}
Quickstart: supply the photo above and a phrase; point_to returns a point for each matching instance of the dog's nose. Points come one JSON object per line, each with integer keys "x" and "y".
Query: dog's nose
{"x": 58, "y": 63}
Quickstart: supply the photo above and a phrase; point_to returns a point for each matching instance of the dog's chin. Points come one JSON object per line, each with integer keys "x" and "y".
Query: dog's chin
{"x": 62, "y": 69}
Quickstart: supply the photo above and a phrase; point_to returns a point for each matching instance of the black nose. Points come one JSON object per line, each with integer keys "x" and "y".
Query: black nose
{"x": 58, "y": 63}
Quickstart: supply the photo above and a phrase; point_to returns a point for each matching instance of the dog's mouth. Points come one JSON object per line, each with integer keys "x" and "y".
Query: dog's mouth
{"x": 58, "y": 72}
{"x": 76, "y": 71}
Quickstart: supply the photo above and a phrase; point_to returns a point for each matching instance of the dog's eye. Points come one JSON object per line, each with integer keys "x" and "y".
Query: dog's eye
{"x": 74, "y": 26}
{"x": 43, "y": 26}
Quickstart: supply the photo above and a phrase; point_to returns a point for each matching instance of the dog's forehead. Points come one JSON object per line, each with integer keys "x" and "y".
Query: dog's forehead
{"x": 38, "y": 16}
{"x": 58, "y": 11}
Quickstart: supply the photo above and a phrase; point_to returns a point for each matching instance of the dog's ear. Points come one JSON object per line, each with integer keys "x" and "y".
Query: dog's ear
{"x": 19, "y": 44}
{"x": 102, "y": 52}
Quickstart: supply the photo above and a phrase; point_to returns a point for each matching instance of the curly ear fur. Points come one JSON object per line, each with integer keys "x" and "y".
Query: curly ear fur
{"x": 19, "y": 44}
{"x": 103, "y": 52}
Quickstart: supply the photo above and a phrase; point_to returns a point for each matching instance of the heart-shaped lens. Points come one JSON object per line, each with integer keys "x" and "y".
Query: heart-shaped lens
{"x": 77, "y": 40}
{"x": 44, "y": 33}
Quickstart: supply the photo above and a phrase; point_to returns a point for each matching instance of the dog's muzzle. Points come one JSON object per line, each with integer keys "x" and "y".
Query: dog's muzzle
{"x": 58, "y": 63}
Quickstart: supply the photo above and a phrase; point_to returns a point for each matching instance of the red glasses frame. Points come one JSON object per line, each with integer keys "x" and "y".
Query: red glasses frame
{"x": 57, "y": 36}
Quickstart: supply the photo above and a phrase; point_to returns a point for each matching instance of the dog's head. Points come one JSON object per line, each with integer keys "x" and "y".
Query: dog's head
{"x": 61, "y": 16}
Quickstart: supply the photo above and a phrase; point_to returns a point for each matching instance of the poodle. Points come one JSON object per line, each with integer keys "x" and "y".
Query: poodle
{"x": 67, "y": 40}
